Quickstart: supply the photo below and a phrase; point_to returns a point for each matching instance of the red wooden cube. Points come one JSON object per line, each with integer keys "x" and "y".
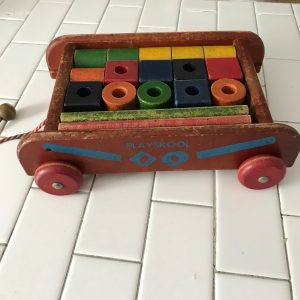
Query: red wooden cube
{"x": 121, "y": 70}
{"x": 228, "y": 67}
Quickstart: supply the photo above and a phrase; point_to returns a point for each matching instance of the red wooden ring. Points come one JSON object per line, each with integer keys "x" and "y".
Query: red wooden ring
{"x": 58, "y": 178}
{"x": 227, "y": 91}
{"x": 261, "y": 171}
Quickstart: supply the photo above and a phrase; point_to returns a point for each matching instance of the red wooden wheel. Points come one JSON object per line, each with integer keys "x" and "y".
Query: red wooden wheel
{"x": 261, "y": 171}
{"x": 58, "y": 178}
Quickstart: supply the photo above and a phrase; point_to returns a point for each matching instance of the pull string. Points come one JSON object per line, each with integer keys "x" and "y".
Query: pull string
{"x": 18, "y": 136}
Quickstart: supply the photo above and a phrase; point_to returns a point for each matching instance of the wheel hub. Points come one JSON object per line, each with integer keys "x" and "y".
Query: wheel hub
{"x": 57, "y": 185}
{"x": 263, "y": 179}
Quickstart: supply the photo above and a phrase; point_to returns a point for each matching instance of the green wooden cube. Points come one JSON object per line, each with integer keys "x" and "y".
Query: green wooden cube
{"x": 123, "y": 54}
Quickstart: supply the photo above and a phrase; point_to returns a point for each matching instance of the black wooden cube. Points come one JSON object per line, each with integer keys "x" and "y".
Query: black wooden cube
{"x": 186, "y": 69}
{"x": 83, "y": 96}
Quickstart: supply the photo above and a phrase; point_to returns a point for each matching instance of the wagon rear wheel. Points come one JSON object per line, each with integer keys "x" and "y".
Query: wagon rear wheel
{"x": 261, "y": 172}
{"x": 58, "y": 178}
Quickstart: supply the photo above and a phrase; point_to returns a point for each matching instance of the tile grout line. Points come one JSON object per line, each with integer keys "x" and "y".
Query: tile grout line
{"x": 29, "y": 43}
{"x": 178, "y": 16}
{"x": 214, "y": 232}
{"x": 78, "y": 192}
{"x": 145, "y": 239}
{"x": 265, "y": 87}
{"x": 284, "y": 241}
{"x": 126, "y": 5}
{"x": 273, "y": 14}
{"x": 4, "y": 247}
{"x": 9, "y": 99}
{"x": 291, "y": 122}
{"x": 10, "y": 19}
{"x": 76, "y": 239}
{"x": 290, "y": 216}
{"x": 139, "y": 20}
{"x": 255, "y": 16}
{"x": 161, "y": 27}
{"x": 252, "y": 276}
{"x": 263, "y": 70}
{"x": 56, "y": 2}
{"x": 298, "y": 24}
{"x": 101, "y": 18}
{"x": 182, "y": 203}
{"x": 284, "y": 59}
{"x": 78, "y": 23}
{"x": 106, "y": 257}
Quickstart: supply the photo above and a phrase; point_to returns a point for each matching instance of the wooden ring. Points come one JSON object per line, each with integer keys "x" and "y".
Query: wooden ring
{"x": 154, "y": 94}
{"x": 227, "y": 91}
{"x": 119, "y": 96}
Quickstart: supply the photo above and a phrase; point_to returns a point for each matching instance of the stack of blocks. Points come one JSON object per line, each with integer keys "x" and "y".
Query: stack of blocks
{"x": 153, "y": 78}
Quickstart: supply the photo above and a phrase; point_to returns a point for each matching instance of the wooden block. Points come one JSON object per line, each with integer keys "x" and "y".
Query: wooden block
{"x": 228, "y": 92}
{"x": 121, "y": 70}
{"x": 155, "y": 53}
{"x": 154, "y": 94}
{"x": 119, "y": 96}
{"x": 155, "y": 113}
{"x": 192, "y": 93}
{"x": 218, "y": 68}
{"x": 187, "y": 52}
{"x": 90, "y": 58}
{"x": 83, "y": 96}
{"x": 87, "y": 74}
{"x": 123, "y": 54}
{"x": 160, "y": 70}
{"x": 175, "y": 122}
{"x": 186, "y": 69}
{"x": 219, "y": 51}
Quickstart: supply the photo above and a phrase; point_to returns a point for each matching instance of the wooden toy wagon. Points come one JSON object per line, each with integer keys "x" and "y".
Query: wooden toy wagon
{"x": 147, "y": 122}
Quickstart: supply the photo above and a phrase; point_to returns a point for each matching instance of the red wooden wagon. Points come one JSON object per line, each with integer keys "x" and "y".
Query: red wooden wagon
{"x": 260, "y": 151}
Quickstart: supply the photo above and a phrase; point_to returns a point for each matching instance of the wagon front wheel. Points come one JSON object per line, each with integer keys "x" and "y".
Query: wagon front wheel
{"x": 58, "y": 178}
{"x": 261, "y": 172}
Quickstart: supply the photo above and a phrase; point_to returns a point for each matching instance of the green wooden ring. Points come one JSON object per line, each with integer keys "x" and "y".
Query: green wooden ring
{"x": 154, "y": 94}
{"x": 90, "y": 58}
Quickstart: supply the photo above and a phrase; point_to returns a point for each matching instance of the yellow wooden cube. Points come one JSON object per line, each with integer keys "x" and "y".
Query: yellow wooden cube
{"x": 155, "y": 53}
{"x": 219, "y": 51}
{"x": 187, "y": 52}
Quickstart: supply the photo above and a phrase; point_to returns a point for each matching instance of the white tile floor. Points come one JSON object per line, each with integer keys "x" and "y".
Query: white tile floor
{"x": 178, "y": 235}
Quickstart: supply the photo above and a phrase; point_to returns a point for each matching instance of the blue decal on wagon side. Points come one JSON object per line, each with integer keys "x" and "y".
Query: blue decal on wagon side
{"x": 82, "y": 152}
{"x": 143, "y": 159}
{"x": 236, "y": 147}
{"x": 175, "y": 158}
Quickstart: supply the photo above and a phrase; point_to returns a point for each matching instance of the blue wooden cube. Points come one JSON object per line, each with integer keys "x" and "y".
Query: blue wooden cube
{"x": 186, "y": 69}
{"x": 83, "y": 96}
{"x": 192, "y": 93}
{"x": 160, "y": 70}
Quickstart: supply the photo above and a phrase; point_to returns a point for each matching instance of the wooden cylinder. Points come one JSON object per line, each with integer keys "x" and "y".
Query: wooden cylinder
{"x": 227, "y": 91}
{"x": 119, "y": 96}
{"x": 154, "y": 94}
